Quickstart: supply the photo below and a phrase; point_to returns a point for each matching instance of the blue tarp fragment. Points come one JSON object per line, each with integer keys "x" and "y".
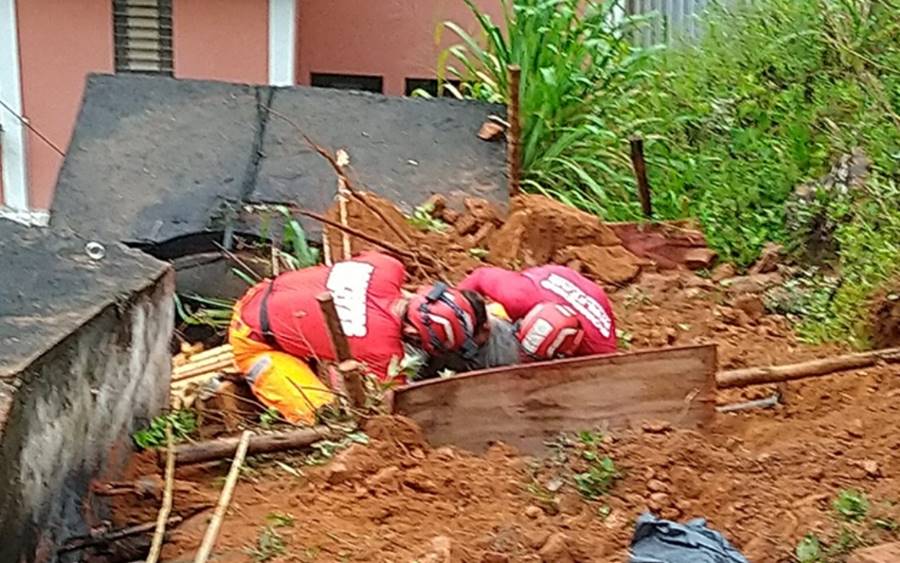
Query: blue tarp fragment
{"x": 663, "y": 541}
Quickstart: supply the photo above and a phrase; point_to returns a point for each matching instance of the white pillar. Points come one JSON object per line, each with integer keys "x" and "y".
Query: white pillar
{"x": 12, "y": 137}
{"x": 282, "y": 41}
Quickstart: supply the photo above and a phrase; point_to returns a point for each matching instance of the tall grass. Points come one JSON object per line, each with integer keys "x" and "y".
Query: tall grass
{"x": 579, "y": 72}
{"x": 767, "y": 98}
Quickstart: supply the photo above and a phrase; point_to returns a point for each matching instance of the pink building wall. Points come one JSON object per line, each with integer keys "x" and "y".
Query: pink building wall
{"x": 221, "y": 39}
{"x": 62, "y": 41}
{"x": 391, "y": 38}
{"x": 59, "y": 43}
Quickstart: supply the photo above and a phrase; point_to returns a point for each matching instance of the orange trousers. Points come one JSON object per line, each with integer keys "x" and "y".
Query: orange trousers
{"x": 279, "y": 380}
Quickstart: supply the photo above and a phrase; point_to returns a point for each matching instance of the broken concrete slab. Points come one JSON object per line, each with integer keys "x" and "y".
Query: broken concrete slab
{"x": 85, "y": 362}
{"x": 404, "y": 149}
{"x": 155, "y": 159}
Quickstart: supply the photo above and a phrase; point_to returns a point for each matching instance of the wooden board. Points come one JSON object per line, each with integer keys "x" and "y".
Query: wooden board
{"x": 525, "y": 405}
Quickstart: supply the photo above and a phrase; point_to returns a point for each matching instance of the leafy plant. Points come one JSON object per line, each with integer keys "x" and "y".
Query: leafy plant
{"x": 324, "y": 450}
{"x": 851, "y": 505}
{"x": 598, "y": 479}
{"x": 423, "y": 219}
{"x": 296, "y": 251}
{"x": 269, "y": 545}
{"x": 809, "y": 550}
{"x": 579, "y": 71}
{"x": 280, "y": 519}
{"x": 207, "y": 311}
{"x": 184, "y": 423}
{"x": 269, "y": 417}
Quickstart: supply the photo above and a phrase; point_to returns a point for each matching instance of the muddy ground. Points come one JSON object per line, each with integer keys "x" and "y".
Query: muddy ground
{"x": 765, "y": 479}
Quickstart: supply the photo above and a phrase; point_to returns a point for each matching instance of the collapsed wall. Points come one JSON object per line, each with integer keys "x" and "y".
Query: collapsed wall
{"x": 84, "y": 362}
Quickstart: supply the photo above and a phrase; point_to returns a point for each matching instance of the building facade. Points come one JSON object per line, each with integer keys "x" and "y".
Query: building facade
{"x": 47, "y": 47}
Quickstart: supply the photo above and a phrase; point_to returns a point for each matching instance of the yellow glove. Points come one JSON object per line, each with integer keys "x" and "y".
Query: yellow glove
{"x": 496, "y": 310}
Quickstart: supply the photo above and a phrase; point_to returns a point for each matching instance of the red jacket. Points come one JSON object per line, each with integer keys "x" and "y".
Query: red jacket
{"x": 365, "y": 291}
{"x": 518, "y": 292}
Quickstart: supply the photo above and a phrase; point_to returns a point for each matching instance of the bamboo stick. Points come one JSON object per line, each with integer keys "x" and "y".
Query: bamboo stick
{"x": 215, "y": 524}
{"x": 814, "y": 368}
{"x": 166, "y": 508}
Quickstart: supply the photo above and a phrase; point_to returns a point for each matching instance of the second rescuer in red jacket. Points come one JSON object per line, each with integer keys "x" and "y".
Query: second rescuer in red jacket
{"x": 278, "y": 327}
{"x": 559, "y": 311}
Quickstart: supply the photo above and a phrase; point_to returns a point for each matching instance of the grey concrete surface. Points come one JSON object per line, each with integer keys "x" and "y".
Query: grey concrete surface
{"x": 85, "y": 362}
{"x": 153, "y": 159}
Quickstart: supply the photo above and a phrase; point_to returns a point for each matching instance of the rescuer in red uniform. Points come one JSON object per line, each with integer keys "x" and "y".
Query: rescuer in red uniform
{"x": 278, "y": 328}
{"x": 559, "y": 312}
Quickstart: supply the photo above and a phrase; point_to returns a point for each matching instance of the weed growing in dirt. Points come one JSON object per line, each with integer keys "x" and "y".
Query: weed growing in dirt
{"x": 423, "y": 219}
{"x": 280, "y": 519}
{"x": 269, "y": 545}
{"x": 184, "y": 423}
{"x": 579, "y": 461}
{"x": 851, "y": 505}
{"x": 324, "y": 450}
{"x": 809, "y": 550}
{"x": 269, "y": 418}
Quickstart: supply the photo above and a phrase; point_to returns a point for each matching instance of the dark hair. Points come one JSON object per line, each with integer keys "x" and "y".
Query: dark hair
{"x": 477, "y": 302}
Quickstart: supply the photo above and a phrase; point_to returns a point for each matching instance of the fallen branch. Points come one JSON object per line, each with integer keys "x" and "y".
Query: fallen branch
{"x": 212, "y": 532}
{"x": 166, "y": 508}
{"x": 115, "y": 535}
{"x": 814, "y": 368}
{"x": 222, "y": 448}
{"x": 385, "y": 245}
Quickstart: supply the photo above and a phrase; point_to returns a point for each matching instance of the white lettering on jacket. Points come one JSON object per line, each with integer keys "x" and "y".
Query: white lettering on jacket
{"x": 348, "y": 283}
{"x": 586, "y": 305}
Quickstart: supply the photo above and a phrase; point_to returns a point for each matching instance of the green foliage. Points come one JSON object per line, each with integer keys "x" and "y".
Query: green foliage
{"x": 772, "y": 93}
{"x": 423, "y": 219}
{"x": 809, "y": 550}
{"x": 598, "y": 479}
{"x": 206, "y": 311}
{"x": 269, "y": 545}
{"x": 280, "y": 519}
{"x": 269, "y": 417}
{"x": 851, "y": 505}
{"x": 579, "y": 74}
{"x": 295, "y": 251}
{"x": 324, "y": 450}
{"x": 184, "y": 423}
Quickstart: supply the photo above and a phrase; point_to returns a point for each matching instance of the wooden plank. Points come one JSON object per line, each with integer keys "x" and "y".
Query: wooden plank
{"x": 526, "y": 405}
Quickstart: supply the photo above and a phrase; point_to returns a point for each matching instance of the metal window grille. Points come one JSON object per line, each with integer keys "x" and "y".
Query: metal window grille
{"x": 143, "y": 36}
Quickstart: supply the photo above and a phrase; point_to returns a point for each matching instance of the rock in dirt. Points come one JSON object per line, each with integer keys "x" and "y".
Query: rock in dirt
{"x": 441, "y": 551}
{"x": 699, "y": 258}
{"x": 656, "y": 427}
{"x": 611, "y": 265}
{"x": 657, "y": 486}
{"x": 388, "y": 477}
{"x": 723, "y": 272}
{"x": 885, "y": 553}
{"x": 756, "y": 283}
{"x": 533, "y": 512}
{"x": 494, "y": 557}
{"x": 884, "y": 324}
{"x": 396, "y": 429}
{"x": 752, "y": 305}
{"x": 871, "y": 468}
{"x": 337, "y": 473}
{"x": 768, "y": 260}
{"x": 556, "y": 550}
{"x": 490, "y": 131}
{"x": 537, "y": 227}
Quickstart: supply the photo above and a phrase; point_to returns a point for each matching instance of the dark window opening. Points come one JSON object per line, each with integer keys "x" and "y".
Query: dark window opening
{"x": 143, "y": 36}
{"x": 347, "y": 82}
{"x": 429, "y": 86}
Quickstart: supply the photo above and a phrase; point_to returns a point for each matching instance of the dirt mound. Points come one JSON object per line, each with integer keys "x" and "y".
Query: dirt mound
{"x": 885, "y": 317}
{"x": 763, "y": 479}
{"x": 459, "y": 238}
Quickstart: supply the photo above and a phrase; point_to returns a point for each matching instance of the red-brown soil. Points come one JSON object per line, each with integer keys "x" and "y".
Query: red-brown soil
{"x": 763, "y": 478}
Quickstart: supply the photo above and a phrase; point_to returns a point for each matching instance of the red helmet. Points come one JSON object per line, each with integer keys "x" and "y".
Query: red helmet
{"x": 444, "y": 318}
{"x": 550, "y": 331}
